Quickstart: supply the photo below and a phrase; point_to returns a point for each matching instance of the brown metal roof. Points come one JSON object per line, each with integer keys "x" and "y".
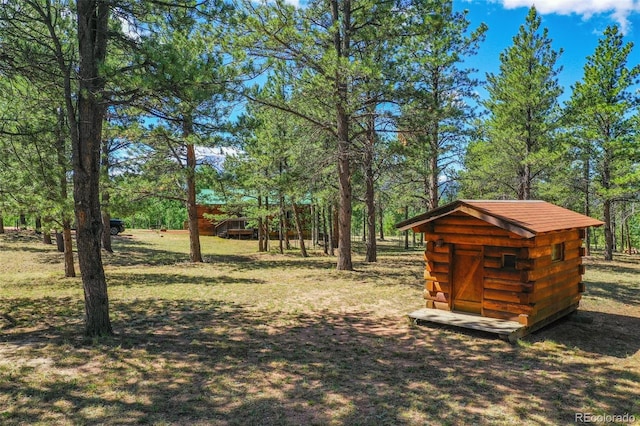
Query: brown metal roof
{"x": 525, "y": 218}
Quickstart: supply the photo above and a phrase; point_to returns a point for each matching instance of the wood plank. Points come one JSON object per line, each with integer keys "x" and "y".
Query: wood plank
{"x": 570, "y": 282}
{"x": 558, "y": 298}
{"x": 504, "y": 274}
{"x": 506, "y": 296}
{"x": 469, "y": 321}
{"x": 441, "y": 306}
{"x": 493, "y": 262}
{"x": 500, "y": 315}
{"x": 552, "y": 269}
{"x": 556, "y": 237}
{"x": 473, "y": 229}
{"x": 571, "y": 244}
{"x": 436, "y": 276}
{"x": 538, "y": 323}
{"x": 462, "y": 220}
{"x": 557, "y": 308}
{"x": 535, "y": 252}
{"x": 508, "y": 285}
{"x": 434, "y": 267}
{"x": 436, "y": 296}
{"x": 467, "y": 306}
{"x": 545, "y": 250}
{"x": 515, "y": 308}
{"x": 497, "y": 251}
{"x": 467, "y": 252}
{"x": 436, "y": 257}
{"x": 552, "y": 279}
{"x": 437, "y": 286}
{"x": 474, "y": 239}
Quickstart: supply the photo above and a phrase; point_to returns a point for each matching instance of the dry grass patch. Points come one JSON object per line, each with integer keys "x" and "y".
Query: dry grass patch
{"x": 250, "y": 338}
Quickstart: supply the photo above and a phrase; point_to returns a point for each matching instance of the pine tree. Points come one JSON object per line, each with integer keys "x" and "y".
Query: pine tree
{"x": 518, "y": 142}
{"x": 604, "y": 111}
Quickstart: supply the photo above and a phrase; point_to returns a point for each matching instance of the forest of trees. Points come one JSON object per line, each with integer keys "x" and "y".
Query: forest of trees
{"x": 367, "y": 108}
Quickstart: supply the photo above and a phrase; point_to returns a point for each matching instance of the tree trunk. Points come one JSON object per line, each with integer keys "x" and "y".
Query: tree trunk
{"x": 345, "y": 212}
{"x": 267, "y": 237}
{"x": 281, "y": 226}
{"x": 298, "y": 224}
{"x": 527, "y": 182}
{"x": 314, "y": 225}
{"x": 22, "y": 221}
{"x": 434, "y": 171}
{"x": 607, "y": 209}
{"x": 364, "y": 226}
{"x": 341, "y": 11}
{"x": 261, "y": 245}
{"x": 1, "y": 224}
{"x": 46, "y": 237}
{"x": 106, "y": 197}
{"x": 38, "y": 224}
{"x": 608, "y": 231}
{"x": 628, "y": 235}
{"x": 69, "y": 268}
{"x": 587, "y": 203}
{"x": 195, "y": 253}
{"x": 380, "y": 220}
{"x": 60, "y": 242}
{"x": 406, "y": 233}
{"x": 325, "y": 234}
{"x": 93, "y": 18}
{"x": 332, "y": 236}
{"x": 369, "y": 195}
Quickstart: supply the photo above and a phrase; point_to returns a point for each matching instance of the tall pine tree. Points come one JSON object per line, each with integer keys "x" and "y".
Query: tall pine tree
{"x": 604, "y": 111}
{"x": 518, "y": 139}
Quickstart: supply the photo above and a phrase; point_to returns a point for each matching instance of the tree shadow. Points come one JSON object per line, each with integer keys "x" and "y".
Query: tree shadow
{"x": 597, "y": 333}
{"x": 185, "y": 361}
{"x": 164, "y": 279}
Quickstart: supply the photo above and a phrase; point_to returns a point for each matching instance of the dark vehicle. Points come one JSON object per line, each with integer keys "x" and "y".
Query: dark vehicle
{"x": 117, "y": 226}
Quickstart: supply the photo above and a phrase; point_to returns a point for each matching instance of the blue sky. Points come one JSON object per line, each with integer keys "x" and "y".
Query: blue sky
{"x": 574, "y": 25}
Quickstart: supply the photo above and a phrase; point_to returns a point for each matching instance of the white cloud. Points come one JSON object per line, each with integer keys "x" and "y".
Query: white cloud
{"x": 620, "y": 11}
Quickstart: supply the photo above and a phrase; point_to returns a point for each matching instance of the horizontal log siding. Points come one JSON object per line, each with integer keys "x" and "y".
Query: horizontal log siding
{"x": 535, "y": 289}
{"x": 505, "y": 295}
{"x": 556, "y": 284}
{"x": 436, "y": 275}
{"x": 537, "y": 285}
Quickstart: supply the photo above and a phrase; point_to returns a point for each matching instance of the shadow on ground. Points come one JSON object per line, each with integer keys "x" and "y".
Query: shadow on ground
{"x": 189, "y": 362}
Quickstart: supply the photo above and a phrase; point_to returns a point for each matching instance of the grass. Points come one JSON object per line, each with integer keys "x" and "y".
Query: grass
{"x": 249, "y": 338}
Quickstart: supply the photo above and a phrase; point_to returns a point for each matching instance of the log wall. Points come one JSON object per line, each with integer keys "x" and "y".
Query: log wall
{"x": 536, "y": 288}
{"x": 206, "y": 226}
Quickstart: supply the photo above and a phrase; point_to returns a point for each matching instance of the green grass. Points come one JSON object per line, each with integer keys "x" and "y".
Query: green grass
{"x": 248, "y": 338}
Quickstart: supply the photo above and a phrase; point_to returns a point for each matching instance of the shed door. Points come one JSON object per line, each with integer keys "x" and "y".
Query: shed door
{"x": 467, "y": 276}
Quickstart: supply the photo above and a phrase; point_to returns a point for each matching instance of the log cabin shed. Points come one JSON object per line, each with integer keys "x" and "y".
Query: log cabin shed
{"x": 513, "y": 260}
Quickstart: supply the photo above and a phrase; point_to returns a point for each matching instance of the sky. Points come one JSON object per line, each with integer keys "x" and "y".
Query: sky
{"x": 574, "y": 26}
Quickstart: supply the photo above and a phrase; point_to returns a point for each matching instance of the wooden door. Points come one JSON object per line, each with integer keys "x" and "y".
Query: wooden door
{"x": 467, "y": 280}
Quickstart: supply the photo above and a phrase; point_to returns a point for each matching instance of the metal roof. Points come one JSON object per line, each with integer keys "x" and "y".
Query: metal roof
{"x": 525, "y": 218}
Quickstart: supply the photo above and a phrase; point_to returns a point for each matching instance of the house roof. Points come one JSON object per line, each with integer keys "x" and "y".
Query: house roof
{"x": 209, "y": 197}
{"x": 524, "y": 218}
